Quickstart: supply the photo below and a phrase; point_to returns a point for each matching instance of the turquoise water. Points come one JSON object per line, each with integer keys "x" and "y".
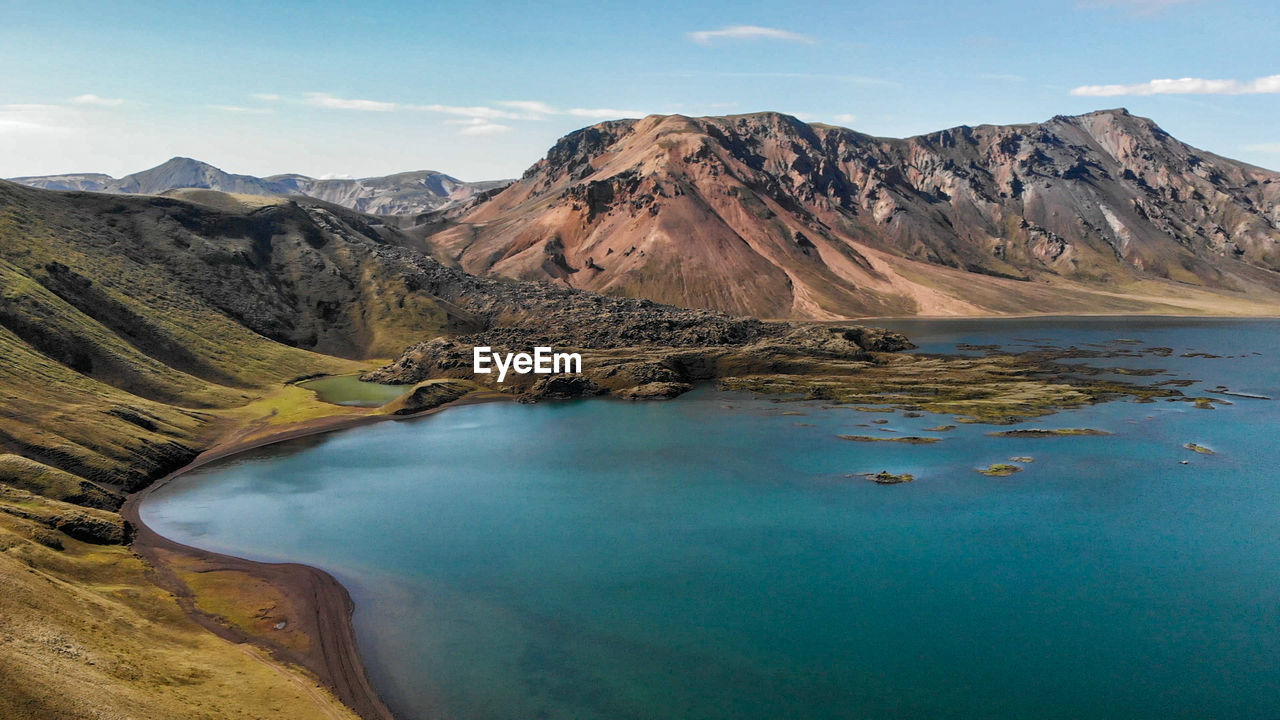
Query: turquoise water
{"x": 708, "y": 557}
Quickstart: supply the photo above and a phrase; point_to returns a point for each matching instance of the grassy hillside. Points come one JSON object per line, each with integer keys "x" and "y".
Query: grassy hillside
{"x": 87, "y": 635}
{"x": 135, "y": 332}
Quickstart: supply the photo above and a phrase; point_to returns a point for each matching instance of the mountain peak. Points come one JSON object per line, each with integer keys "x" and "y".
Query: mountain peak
{"x": 410, "y": 193}
{"x": 1120, "y": 112}
{"x": 765, "y": 215}
{"x": 180, "y": 160}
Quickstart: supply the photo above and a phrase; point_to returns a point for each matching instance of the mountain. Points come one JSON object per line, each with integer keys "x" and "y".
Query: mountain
{"x": 766, "y": 215}
{"x": 88, "y": 182}
{"x": 408, "y": 193}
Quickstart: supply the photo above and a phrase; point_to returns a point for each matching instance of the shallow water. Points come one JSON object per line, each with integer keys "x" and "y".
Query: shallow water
{"x": 351, "y": 390}
{"x": 709, "y": 557}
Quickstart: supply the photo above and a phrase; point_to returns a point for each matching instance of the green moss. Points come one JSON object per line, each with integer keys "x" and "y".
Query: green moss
{"x": 909, "y": 439}
{"x": 1043, "y": 433}
{"x": 1000, "y": 470}
{"x": 885, "y": 477}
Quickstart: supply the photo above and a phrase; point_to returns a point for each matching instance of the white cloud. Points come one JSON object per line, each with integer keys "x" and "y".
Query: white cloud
{"x": 29, "y": 107}
{"x": 532, "y": 107}
{"x": 503, "y": 110}
{"x": 468, "y": 111}
{"x": 325, "y": 100}
{"x": 479, "y": 126}
{"x": 13, "y": 126}
{"x": 603, "y": 113}
{"x": 91, "y": 99}
{"x": 1273, "y": 147}
{"x": 747, "y": 32}
{"x": 1185, "y": 86}
{"x": 242, "y": 110}
{"x": 538, "y": 110}
{"x": 265, "y": 97}
{"x": 846, "y": 118}
{"x": 34, "y": 119}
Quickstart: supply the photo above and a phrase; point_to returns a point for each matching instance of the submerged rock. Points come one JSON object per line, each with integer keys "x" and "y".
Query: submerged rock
{"x": 884, "y": 477}
{"x": 1043, "y": 433}
{"x": 909, "y": 439}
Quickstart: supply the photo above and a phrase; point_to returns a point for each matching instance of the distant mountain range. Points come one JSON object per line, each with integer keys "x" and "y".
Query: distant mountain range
{"x": 766, "y": 215}
{"x": 407, "y": 193}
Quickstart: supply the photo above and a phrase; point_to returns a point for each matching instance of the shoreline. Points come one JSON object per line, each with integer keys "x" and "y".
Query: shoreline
{"x": 1057, "y": 316}
{"x": 326, "y": 605}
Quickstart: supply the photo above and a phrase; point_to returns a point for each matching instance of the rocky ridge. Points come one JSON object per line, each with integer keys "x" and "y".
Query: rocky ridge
{"x": 766, "y": 215}
{"x": 408, "y": 193}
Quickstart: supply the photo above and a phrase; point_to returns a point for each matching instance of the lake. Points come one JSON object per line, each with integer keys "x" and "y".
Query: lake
{"x": 712, "y": 557}
{"x": 351, "y": 390}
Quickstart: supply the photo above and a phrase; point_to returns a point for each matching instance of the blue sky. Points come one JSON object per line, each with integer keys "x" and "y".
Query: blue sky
{"x": 481, "y": 90}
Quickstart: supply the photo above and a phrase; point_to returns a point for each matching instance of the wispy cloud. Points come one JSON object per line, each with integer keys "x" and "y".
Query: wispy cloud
{"x": 846, "y": 118}
{"x": 1001, "y": 77}
{"x": 33, "y": 119}
{"x": 603, "y": 113}
{"x": 242, "y": 110}
{"x": 748, "y": 32}
{"x": 15, "y": 126}
{"x": 91, "y": 99}
{"x": 471, "y": 119}
{"x": 1273, "y": 147}
{"x": 29, "y": 107}
{"x": 265, "y": 97}
{"x": 468, "y": 111}
{"x": 326, "y": 100}
{"x": 1185, "y": 86}
{"x": 531, "y": 107}
{"x": 1140, "y": 6}
{"x": 538, "y": 110}
{"x": 480, "y": 126}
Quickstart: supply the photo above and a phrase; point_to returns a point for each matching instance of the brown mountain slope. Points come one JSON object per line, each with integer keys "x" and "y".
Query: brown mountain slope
{"x": 766, "y": 215}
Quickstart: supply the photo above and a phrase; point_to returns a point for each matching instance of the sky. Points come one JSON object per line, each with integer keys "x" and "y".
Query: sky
{"x": 481, "y": 90}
